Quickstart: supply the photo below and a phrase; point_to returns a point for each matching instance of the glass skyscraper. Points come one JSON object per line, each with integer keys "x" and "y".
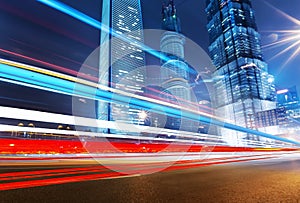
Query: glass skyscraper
{"x": 121, "y": 63}
{"x": 289, "y": 100}
{"x": 242, "y": 83}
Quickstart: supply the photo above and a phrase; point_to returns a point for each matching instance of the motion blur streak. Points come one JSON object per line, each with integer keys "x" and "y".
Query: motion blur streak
{"x": 19, "y": 146}
{"x": 55, "y": 67}
{"x": 16, "y": 175}
{"x": 69, "y": 175}
{"x": 91, "y": 84}
{"x": 22, "y": 114}
{"x": 54, "y": 181}
{"x": 72, "y": 88}
{"x": 96, "y": 24}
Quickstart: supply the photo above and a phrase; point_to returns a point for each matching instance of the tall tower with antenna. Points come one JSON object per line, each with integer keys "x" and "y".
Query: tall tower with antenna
{"x": 174, "y": 72}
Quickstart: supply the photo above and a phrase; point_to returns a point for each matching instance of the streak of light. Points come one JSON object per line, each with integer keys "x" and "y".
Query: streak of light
{"x": 46, "y": 173}
{"x": 287, "y": 16}
{"x": 282, "y": 91}
{"x": 293, "y": 56}
{"x": 283, "y": 41}
{"x": 56, "y": 67}
{"x": 181, "y": 136}
{"x": 102, "y": 93}
{"x": 96, "y": 147}
{"x": 23, "y": 181}
{"x": 250, "y": 65}
{"x": 110, "y": 124}
{"x": 288, "y": 36}
{"x": 22, "y": 114}
{"x": 77, "y": 80}
{"x": 54, "y": 181}
{"x": 98, "y": 25}
{"x": 285, "y": 50}
{"x": 7, "y": 175}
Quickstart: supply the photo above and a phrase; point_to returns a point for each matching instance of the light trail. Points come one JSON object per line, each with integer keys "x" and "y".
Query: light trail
{"x": 46, "y": 149}
{"x": 56, "y": 67}
{"x": 81, "y": 80}
{"x": 106, "y": 94}
{"x": 17, "y": 180}
{"x": 189, "y": 138}
{"x": 213, "y": 140}
{"x": 98, "y": 25}
{"x": 91, "y": 84}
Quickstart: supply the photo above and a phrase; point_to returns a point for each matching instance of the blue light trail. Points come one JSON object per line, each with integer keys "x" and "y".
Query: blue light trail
{"x": 46, "y": 82}
{"x": 98, "y": 25}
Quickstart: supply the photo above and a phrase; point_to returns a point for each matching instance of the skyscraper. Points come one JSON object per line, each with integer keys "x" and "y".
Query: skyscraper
{"x": 172, "y": 44}
{"x": 243, "y": 85}
{"x": 289, "y": 100}
{"x": 174, "y": 72}
{"x": 287, "y": 97}
{"x": 121, "y": 62}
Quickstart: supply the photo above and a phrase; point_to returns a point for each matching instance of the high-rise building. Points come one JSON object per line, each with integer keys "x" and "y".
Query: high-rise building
{"x": 121, "y": 63}
{"x": 289, "y": 100}
{"x": 243, "y": 85}
{"x": 172, "y": 44}
{"x": 174, "y": 72}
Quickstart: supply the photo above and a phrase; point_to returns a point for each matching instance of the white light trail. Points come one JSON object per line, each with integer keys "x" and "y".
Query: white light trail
{"x": 10, "y": 69}
{"x": 181, "y": 136}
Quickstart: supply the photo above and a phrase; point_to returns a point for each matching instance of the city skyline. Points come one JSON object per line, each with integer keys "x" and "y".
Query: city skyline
{"x": 117, "y": 100}
{"x": 242, "y": 84}
{"x": 267, "y": 26}
{"x": 73, "y": 41}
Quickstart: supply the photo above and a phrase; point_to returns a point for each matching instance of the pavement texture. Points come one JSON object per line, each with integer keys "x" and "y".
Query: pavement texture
{"x": 272, "y": 182}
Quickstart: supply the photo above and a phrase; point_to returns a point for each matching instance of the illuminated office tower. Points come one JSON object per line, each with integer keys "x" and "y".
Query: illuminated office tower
{"x": 121, "y": 62}
{"x": 289, "y": 100}
{"x": 174, "y": 72}
{"x": 243, "y": 85}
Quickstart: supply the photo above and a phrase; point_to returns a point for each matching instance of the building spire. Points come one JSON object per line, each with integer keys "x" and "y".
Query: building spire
{"x": 169, "y": 16}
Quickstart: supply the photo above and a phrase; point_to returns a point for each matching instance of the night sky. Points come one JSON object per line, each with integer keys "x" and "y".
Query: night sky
{"x": 34, "y": 30}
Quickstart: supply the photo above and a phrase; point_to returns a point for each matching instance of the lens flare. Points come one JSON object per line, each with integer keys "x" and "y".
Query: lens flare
{"x": 288, "y": 40}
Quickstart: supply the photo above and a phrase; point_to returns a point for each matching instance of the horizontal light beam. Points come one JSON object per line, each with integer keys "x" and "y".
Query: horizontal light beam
{"x": 71, "y": 88}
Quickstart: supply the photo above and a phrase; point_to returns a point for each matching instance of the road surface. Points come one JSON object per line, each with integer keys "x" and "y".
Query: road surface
{"x": 257, "y": 181}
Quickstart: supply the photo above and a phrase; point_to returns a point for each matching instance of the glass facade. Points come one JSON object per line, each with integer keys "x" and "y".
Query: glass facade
{"x": 289, "y": 100}
{"x": 122, "y": 63}
{"x": 243, "y": 85}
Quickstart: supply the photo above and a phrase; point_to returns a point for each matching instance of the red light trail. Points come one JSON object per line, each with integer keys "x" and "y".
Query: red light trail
{"x": 17, "y": 180}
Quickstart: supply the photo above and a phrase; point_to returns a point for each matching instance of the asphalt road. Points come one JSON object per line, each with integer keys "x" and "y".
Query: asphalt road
{"x": 274, "y": 181}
